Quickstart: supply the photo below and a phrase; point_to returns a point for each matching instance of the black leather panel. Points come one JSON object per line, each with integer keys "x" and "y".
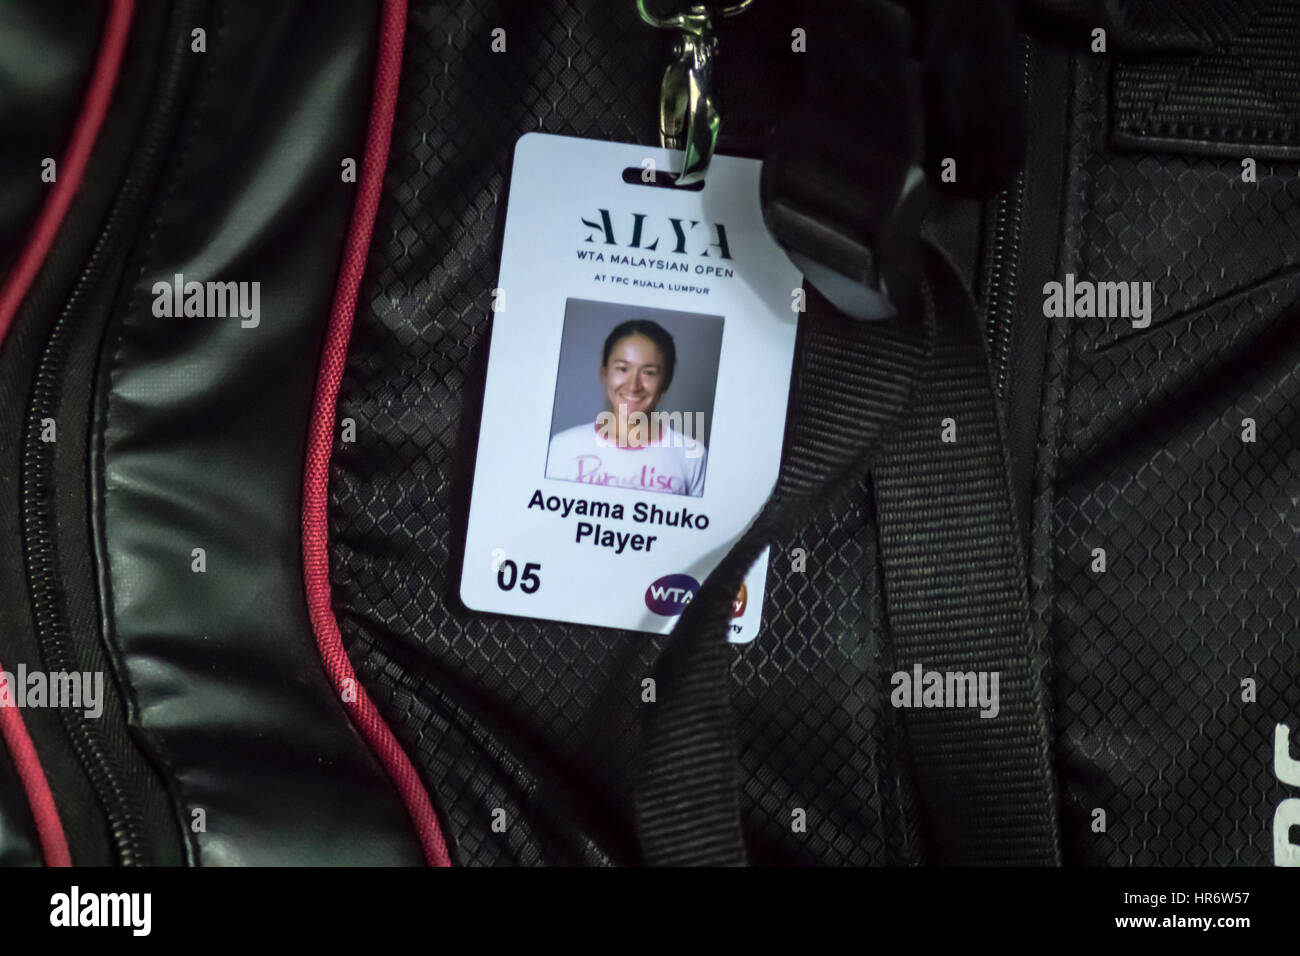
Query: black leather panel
{"x": 47, "y": 49}
{"x": 204, "y": 423}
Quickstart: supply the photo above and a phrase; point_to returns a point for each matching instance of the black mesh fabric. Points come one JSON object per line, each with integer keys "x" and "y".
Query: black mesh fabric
{"x": 542, "y": 719}
{"x": 1143, "y": 457}
{"x": 1201, "y": 530}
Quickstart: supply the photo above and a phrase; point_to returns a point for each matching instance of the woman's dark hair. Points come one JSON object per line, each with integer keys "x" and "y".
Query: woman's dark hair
{"x": 656, "y": 333}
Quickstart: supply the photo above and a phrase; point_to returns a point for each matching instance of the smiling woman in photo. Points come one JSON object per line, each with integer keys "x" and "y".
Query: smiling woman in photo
{"x": 632, "y": 445}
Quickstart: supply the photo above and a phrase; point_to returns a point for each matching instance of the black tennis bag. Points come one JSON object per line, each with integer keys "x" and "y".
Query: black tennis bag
{"x": 1034, "y": 542}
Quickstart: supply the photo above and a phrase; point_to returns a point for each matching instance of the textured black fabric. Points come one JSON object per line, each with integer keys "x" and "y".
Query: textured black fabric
{"x": 542, "y": 719}
{"x": 854, "y": 381}
{"x": 955, "y": 602}
{"x": 1199, "y": 528}
{"x": 1237, "y": 95}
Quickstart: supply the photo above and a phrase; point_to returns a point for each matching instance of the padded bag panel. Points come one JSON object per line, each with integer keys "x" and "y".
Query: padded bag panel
{"x": 1200, "y": 528}
{"x": 204, "y": 423}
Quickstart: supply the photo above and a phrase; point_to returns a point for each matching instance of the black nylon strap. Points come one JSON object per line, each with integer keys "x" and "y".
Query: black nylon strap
{"x": 953, "y": 573}
{"x": 853, "y": 382}
{"x": 955, "y": 593}
{"x": 955, "y": 601}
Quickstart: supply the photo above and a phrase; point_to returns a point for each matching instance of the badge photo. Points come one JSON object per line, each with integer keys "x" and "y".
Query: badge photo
{"x": 634, "y": 398}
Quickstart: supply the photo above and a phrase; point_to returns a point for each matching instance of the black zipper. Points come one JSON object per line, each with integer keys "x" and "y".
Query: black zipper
{"x": 1003, "y": 269}
{"x": 58, "y": 645}
{"x": 49, "y": 615}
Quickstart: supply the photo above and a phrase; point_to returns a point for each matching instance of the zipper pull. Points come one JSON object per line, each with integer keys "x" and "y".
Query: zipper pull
{"x": 688, "y": 111}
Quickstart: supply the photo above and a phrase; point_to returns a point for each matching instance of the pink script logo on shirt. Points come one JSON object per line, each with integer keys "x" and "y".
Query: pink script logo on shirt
{"x": 589, "y": 471}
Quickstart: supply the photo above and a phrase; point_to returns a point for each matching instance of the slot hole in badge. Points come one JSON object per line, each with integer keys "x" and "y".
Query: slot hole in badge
{"x": 650, "y": 176}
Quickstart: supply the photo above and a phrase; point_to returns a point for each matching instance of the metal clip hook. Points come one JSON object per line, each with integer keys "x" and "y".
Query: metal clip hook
{"x": 688, "y": 112}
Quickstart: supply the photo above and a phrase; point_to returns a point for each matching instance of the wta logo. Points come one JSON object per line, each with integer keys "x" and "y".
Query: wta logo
{"x": 669, "y": 595}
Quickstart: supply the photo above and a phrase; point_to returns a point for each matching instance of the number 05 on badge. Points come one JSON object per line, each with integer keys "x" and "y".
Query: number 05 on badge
{"x": 638, "y": 372}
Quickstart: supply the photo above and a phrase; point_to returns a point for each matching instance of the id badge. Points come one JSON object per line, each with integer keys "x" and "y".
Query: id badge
{"x": 638, "y": 374}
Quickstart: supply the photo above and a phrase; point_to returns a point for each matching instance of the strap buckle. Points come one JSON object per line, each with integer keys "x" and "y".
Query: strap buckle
{"x": 843, "y": 187}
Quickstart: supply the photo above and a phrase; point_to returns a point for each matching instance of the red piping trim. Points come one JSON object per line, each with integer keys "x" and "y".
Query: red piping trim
{"x": 72, "y": 168}
{"x": 49, "y": 828}
{"x": 320, "y": 445}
